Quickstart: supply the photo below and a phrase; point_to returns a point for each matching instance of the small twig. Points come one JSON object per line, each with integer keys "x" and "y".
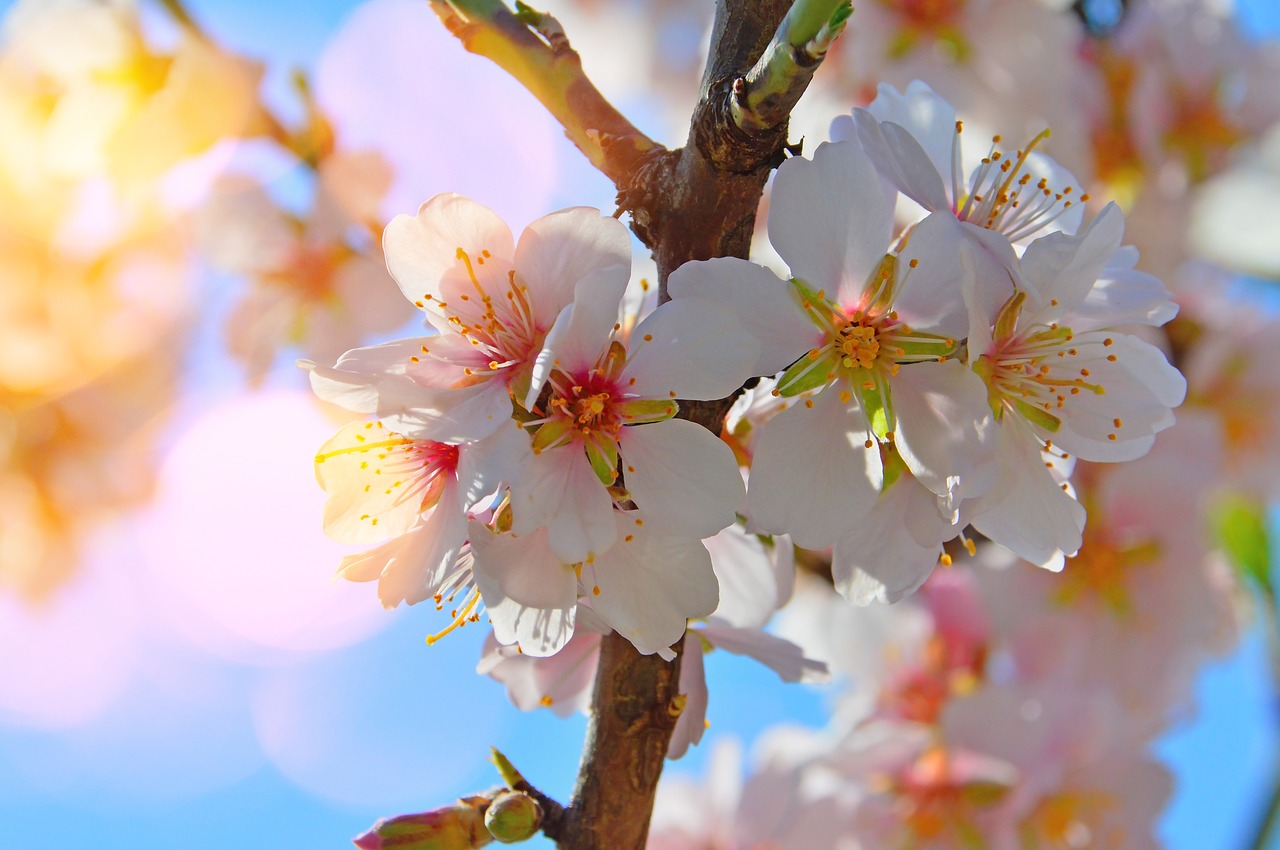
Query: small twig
{"x": 532, "y": 47}
{"x": 765, "y": 96}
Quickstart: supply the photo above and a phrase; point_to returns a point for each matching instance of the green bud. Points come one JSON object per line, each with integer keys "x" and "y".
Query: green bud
{"x": 456, "y": 827}
{"x": 513, "y": 816}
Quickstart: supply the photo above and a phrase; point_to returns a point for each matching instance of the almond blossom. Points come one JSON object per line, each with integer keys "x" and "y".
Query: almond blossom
{"x": 493, "y": 303}
{"x": 416, "y": 495}
{"x": 1059, "y": 379}
{"x": 871, "y": 338}
{"x": 607, "y": 422}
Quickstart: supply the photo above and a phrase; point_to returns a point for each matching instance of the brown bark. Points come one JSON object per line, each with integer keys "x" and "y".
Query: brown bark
{"x": 633, "y": 714}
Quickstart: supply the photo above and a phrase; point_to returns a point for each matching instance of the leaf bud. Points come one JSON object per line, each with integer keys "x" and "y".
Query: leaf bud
{"x": 513, "y": 816}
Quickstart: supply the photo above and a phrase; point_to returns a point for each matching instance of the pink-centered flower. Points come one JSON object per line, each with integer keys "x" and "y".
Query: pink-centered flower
{"x": 414, "y": 494}
{"x": 494, "y": 304}
{"x": 605, "y": 431}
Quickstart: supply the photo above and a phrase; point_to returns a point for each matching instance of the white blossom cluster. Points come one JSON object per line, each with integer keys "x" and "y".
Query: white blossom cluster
{"x": 922, "y": 378}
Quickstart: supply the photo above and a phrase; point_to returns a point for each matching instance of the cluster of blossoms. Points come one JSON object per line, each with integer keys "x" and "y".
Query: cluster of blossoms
{"x": 527, "y": 454}
{"x": 999, "y": 707}
{"x": 921, "y": 378}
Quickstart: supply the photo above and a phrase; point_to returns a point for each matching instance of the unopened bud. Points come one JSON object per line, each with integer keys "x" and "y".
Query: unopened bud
{"x": 457, "y": 827}
{"x": 513, "y": 816}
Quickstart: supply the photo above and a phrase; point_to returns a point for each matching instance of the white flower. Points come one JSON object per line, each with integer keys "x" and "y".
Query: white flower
{"x": 492, "y": 301}
{"x": 609, "y": 409}
{"x": 1058, "y": 379}
{"x": 416, "y": 494}
{"x": 873, "y": 334}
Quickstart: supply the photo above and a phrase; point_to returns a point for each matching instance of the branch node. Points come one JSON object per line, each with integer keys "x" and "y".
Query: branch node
{"x": 546, "y": 26}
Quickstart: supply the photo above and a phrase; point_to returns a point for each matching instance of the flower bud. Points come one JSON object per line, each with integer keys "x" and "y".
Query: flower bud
{"x": 457, "y": 827}
{"x": 513, "y": 816}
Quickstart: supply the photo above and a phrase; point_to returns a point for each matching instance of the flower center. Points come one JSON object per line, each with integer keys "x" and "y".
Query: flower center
{"x": 399, "y": 467}
{"x": 1201, "y": 133}
{"x": 928, "y": 15}
{"x": 492, "y": 311}
{"x": 590, "y": 412}
{"x": 859, "y": 345}
{"x": 1063, "y": 821}
{"x": 1104, "y": 570}
{"x": 1036, "y": 371}
{"x": 1001, "y": 195}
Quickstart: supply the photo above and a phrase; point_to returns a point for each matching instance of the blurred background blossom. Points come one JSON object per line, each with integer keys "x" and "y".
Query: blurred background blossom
{"x": 191, "y": 198}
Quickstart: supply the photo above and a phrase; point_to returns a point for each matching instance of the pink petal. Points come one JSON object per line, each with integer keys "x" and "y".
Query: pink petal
{"x": 422, "y": 250}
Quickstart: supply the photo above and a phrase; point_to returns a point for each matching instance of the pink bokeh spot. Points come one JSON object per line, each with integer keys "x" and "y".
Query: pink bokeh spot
{"x": 395, "y": 81}
{"x": 66, "y": 660}
{"x": 235, "y": 541}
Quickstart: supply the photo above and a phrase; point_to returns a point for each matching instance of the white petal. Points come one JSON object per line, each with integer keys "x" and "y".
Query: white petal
{"x": 446, "y": 416}
{"x": 651, "y": 584}
{"x": 693, "y": 349}
{"x": 682, "y": 476}
{"x": 559, "y": 250}
{"x": 412, "y": 566}
{"x": 812, "y": 474}
{"x": 581, "y": 332}
{"x": 1141, "y": 388}
{"x": 1064, "y": 268}
{"x": 422, "y": 250}
{"x": 693, "y": 686}
{"x": 561, "y": 682}
{"x": 902, "y": 161}
{"x": 1123, "y": 296}
{"x": 529, "y": 592}
{"x": 763, "y": 304}
{"x": 831, "y": 218}
{"x": 755, "y": 581}
{"x": 1027, "y": 511}
{"x": 879, "y": 558}
{"x": 927, "y": 116}
{"x": 383, "y": 380}
{"x": 499, "y": 458}
{"x": 945, "y": 433}
{"x": 560, "y": 490}
{"x": 930, "y": 296}
{"x": 781, "y": 656}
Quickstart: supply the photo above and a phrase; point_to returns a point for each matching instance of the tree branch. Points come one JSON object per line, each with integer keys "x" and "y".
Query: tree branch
{"x": 532, "y": 48}
{"x": 634, "y": 712}
{"x": 764, "y": 98}
{"x": 694, "y": 203}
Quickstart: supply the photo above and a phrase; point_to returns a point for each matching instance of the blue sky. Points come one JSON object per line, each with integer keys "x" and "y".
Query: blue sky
{"x": 404, "y": 726}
